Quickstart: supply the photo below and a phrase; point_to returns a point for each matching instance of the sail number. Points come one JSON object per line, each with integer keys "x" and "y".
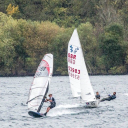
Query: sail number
{"x": 74, "y": 75}
{"x": 71, "y": 58}
{"x": 73, "y": 70}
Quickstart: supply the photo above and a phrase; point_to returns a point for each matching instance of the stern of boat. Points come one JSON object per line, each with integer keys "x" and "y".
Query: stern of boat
{"x": 92, "y": 104}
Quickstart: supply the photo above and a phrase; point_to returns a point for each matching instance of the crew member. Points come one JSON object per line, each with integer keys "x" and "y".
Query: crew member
{"x": 52, "y": 102}
{"x": 110, "y": 97}
{"x": 97, "y": 95}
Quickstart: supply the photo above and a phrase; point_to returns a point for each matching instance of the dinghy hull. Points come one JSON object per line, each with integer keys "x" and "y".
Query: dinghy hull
{"x": 92, "y": 104}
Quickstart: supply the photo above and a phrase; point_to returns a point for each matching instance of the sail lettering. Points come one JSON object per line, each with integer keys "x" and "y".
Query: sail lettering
{"x": 42, "y": 68}
{"x": 74, "y": 70}
{"x": 71, "y": 58}
{"x": 75, "y": 76}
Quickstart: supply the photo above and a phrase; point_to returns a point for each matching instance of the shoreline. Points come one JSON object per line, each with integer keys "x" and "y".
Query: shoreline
{"x": 65, "y": 75}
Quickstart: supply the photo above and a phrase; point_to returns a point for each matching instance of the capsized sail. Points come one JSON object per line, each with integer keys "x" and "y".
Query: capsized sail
{"x": 40, "y": 84}
{"x": 74, "y": 64}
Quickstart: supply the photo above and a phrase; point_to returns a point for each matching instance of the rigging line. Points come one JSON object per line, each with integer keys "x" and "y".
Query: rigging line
{"x": 106, "y": 91}
{"x": 107, "y": 95}
{"x": 33, "y": 98}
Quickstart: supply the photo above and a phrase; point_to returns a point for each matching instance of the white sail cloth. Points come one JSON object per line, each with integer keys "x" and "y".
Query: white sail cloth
{"x": 74, "y": 64}
{"x": 40, "y": 82}
{"x": 79, "y": 79}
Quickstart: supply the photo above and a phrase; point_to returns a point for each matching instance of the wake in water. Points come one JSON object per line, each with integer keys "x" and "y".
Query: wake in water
{"x": 126, "y": 94}
{"x": 66, "y": 109}
{"x": 68, "y": 106}
{"x": 60, "y": 112}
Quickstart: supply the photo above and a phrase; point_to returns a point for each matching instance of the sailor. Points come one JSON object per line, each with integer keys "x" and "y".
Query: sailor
{"x": 52, "y": 102}
{"x": 110, "y": 97}
{"x": 97, "y": 95}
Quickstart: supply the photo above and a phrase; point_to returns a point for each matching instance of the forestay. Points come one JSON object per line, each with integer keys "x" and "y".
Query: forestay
{"x": 74, "y": 64}
{"x": 40, "y": 84}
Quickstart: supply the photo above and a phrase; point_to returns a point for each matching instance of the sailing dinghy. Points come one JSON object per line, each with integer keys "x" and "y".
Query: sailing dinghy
{"x": 40, "y": 86}
{"x": 78, "y": 75}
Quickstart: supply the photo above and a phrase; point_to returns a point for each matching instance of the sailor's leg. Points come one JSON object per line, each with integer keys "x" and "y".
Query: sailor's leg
{"x": 48, "y": 109}
{"x": 104, "y": 99}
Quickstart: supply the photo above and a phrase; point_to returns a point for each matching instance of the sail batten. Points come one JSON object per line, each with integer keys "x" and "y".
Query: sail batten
{"x": 40, "y": 84}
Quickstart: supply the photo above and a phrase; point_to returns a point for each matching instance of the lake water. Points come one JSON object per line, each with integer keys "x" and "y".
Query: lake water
{"x": 69, "y": 112}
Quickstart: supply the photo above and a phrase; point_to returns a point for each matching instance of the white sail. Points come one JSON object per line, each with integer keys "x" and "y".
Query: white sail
{"x": 40, "y": 84}
{"x": 74, "y": 64}
{"x": 87, "y": 92}
{"x": 80, "y": 85}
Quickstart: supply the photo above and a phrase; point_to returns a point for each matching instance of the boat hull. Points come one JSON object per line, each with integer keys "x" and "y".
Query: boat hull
{"x": 92, "y": 104}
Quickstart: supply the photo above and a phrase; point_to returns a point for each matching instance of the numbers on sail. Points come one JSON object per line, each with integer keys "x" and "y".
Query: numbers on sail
{"x": 75, "y": 76}
{"x": 71, "y": 58}
{"x": 77, "y": 71}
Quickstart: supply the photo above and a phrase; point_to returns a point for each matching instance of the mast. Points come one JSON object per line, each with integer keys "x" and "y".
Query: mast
{"x": 40, "y": 84}
{"x": 43, "y": 100}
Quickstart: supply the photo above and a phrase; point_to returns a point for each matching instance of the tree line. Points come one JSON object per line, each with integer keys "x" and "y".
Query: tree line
{"x": 30, "y": 29}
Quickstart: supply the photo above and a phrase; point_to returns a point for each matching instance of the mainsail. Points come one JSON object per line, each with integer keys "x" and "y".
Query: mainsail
{"x": 74, "y": 64}
{"x": 40, "y": 84}
{"x": 79, "y": 79}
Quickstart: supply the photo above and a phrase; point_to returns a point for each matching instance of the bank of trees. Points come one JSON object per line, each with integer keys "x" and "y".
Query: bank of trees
{"x": 30, "y": 29}
{"x": 24, "y": 43}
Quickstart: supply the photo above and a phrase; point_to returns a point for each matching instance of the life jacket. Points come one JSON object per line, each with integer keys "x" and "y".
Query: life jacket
{"x": 53, "y": 101}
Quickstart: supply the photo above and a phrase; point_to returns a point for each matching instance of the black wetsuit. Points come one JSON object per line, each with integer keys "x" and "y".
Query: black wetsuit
{"x": 53, "y": 103}
{"x": 111, "y": 97}
{"x": 97, "y": 96}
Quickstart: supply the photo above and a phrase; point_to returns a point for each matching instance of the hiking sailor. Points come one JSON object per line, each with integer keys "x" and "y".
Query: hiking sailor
{"x": 110, "y": 97}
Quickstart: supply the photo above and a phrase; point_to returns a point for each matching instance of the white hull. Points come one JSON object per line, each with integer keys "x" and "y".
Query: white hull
{"x": 92, "y": 104}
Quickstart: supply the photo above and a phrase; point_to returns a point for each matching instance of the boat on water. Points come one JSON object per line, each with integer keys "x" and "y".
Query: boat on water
{"x": 40, "y": 86}
{"x": 78, "y": 74}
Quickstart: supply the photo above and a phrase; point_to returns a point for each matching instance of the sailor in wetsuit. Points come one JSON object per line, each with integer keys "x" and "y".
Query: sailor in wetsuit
{"x": 97, "y": 95}
{"x": 110, "y": 97}
{"x": 52, "y": 102}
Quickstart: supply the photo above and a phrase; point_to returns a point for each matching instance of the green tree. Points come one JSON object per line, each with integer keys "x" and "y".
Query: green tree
{"x": 111, "y": 46}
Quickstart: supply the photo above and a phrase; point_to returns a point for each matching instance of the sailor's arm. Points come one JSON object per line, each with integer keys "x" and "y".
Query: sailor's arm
{"x": 49, "y": 100}
{"x": 46, "y": 99}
